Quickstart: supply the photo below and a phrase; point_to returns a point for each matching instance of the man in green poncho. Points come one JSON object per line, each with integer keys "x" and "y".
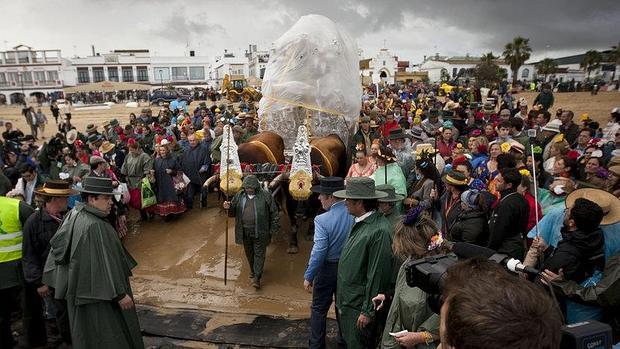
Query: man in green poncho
{"x": 89, "y": 268}
{"x": 256, "y": 220}
{"x": 365, "y": 266}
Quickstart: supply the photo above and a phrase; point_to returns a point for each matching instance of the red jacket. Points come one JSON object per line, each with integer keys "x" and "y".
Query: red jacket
{"x": 386, "y": 128}
{"x": 531, "y": 220}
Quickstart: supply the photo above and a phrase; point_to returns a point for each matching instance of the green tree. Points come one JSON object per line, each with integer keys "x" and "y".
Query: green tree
{"x": 516, "y": 53}
{"x": 488, "y": 73}
{"x": 488, "y": 58}
{"x": 546, "y": 67}
{"x": 591, "y": 61}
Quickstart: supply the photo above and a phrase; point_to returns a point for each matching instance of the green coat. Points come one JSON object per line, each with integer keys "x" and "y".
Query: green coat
{"x": 364, "y": 271}
{"x": 89, "y": 268}
{"x": 409, "y": 311}
{"x": 267, "y": 215}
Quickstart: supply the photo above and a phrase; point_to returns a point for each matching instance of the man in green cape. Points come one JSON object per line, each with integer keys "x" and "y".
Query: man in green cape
{"x": 365, "y": 265}
{"x": 89, "y": 268}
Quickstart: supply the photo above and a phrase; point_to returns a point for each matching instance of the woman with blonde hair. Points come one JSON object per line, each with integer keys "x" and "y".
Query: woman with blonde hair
{"x": 410, "y": 321}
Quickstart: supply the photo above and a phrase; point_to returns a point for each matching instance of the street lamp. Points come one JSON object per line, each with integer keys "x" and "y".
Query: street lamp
{"x": 161, "y": 79}
{"x": 21, "y": 81}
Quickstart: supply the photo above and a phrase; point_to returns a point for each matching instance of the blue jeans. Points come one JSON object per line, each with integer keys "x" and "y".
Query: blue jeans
{"x": 323, "y": 293}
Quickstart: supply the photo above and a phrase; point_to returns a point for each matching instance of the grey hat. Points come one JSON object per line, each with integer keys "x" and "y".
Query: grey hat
{"x": 360, "y": 188}
{"x": 418, "y": 133}
{"x": 391, "y": 193}
{"x": 250, "y": 182}
{"x": 97, "y": 185}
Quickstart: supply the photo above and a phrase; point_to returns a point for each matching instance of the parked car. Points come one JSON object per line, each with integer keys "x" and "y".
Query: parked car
{"x": 160, "y": 96}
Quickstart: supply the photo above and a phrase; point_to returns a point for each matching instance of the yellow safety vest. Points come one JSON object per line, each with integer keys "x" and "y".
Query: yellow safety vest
{"x": 10, "y": 230}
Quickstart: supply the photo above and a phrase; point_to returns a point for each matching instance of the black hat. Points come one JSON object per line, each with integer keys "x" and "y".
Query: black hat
{"x": 433, "y": 112}
{"x": 329, "y": 185}
{"x": 398, "y": 133}
{"x": 448, "y": 114}
{"x": 97, "y": 185}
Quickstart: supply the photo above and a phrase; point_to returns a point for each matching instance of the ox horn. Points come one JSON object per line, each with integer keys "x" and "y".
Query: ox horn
{"x": 211, "y": 180}
{"x": 279, "y": 178}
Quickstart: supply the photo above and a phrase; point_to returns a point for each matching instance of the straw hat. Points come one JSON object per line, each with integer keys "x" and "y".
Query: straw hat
{"x": 72, "y": 135}
{"x": 106, "y": 147}
{"x": 553, "y": 126}
{"x": 91, "y": 128}
{"x": 607, "y": 201}
{"x": 360, "y": 188}
{"x": 55, "y": 187}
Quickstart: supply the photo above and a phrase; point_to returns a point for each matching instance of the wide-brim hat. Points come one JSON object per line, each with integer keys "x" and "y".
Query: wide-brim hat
{"x": 373, "y": 124}
{"x": 360, "y": 188}
{"x": 106, "y": 147}
{"x": 55, "y": 187}
{"x": 94, "y": 138}
{"x": 97, "y": 185}
{"x": 94, "y": 160}
{"x": 418, "y": 133}
{"x": 72, "y": 135}
{"x": 455, "y": 178}
{"x": 329, "y": 185}
{"x": 91, "y": 128}
{"x": 607, "y": 201}
{"x": 391, "y": 193}
{"x": 398, "y": 133}
{"x": 553, "y": 126}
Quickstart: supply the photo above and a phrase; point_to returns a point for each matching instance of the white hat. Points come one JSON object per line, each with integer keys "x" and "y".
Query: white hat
{"x": 553, "y": 126}
{"x": 615, "y": 110}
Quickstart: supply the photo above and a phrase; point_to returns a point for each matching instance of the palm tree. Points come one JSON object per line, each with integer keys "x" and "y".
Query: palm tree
{"x": 546, "y": 66}
{"x": 488, "y": 58}
{"x": 516, "y": 53}
{"x": 591, "y": 61}
{"x": 614, "y": 56}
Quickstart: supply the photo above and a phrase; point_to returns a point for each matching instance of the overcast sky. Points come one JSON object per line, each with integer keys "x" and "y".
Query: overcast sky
{"x": 411, "y": 29}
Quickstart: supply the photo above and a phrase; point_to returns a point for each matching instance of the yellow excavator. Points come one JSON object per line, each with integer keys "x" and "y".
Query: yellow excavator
{"x": 235, "y": 89}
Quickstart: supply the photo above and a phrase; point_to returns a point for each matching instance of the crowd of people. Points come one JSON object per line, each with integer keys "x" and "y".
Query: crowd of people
{"x": 425, "y": 169}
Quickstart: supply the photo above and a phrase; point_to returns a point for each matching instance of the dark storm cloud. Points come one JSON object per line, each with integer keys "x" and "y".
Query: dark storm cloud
{"x": 561, "y": 24}
{"x": 178, "y": 27}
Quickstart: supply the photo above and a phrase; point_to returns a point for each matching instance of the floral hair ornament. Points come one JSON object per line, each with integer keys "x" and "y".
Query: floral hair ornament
{"x": 559, "y": 138}
{"x": 525, "y": 172}
{"x": 412, "y": 217}
{"x": 360, "y": 147}
{"x": 436, "y": 241}
{"x": 573, "y": 155}
{"x": 538, "y": 150}
{"x": 505, "y": 147}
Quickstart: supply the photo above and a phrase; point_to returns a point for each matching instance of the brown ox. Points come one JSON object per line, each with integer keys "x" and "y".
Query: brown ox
{"x": 262, "y": 148}
{"x": 329, "y": 153}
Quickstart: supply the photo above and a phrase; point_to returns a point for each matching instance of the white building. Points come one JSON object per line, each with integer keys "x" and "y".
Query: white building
{"x": 453, "y": 67}
{"x": 569, "y": 68}
{"x": 384, "y": 64}
{"x": 29, "y": 72}
{"x": 236, "y": 68}
{"x": 257, "y": 62}
{"x": 140, "y": 67}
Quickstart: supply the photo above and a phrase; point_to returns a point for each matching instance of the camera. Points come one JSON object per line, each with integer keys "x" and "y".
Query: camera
{"x": 429, "y": 275}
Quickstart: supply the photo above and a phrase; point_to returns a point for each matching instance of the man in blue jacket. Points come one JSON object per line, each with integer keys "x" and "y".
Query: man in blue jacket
{"x": 331, "y": 230}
